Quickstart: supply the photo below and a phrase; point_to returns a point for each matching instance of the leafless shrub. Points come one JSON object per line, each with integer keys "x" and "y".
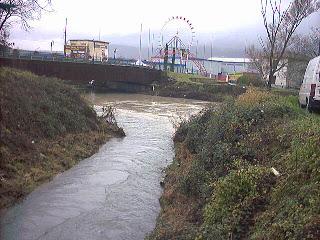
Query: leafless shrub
{"x": 108, "y": 114}
{"x": 177, "y": 120}
{"x": 280, "y": 22}
{"x": 306, "y": 45}
{"x": 21, "y": 12}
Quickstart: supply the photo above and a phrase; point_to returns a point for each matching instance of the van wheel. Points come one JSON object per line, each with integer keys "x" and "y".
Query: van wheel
{"x": 309, "y": 106}
{"x": 302, "y": 105}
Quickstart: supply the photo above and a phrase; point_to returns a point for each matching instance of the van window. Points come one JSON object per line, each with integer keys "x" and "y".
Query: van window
{"x": 311, "y": 69}
{"x": 318, "y": 71}
{"x": 308, "y": 73}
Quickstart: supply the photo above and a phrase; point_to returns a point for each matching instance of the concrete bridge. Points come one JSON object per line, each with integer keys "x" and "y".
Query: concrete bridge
{"x": 115, "y": 77}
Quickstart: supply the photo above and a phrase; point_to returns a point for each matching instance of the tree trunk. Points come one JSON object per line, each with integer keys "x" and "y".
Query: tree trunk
{"x": 270, "y": 79}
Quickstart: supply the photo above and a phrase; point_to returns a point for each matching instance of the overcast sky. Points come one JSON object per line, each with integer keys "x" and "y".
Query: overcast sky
{"x": 116, "y": 19}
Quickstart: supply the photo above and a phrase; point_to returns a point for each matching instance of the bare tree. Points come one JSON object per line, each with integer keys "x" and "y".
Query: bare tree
{"x": 258, "y": 61}
{"x": 281, "y": 23}
{"x": 306, "y": 45}
{"x": 21, "y": 12}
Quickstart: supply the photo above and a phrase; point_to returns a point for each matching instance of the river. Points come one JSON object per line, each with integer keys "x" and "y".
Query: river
{"x": 114, "y": 193}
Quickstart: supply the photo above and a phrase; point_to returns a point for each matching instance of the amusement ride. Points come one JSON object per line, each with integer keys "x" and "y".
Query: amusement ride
{"x": 176, "y": 38}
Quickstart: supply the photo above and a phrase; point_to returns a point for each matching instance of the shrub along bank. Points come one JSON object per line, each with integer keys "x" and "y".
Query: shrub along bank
{"x": 196, "y": 87}
{"x": 46, "y": 127}
{"x": 249, "y": 170}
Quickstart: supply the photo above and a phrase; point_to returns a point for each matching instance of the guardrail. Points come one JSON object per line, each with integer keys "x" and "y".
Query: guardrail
{"x": 84, "y": 71}
{"x": 120, "y": 62}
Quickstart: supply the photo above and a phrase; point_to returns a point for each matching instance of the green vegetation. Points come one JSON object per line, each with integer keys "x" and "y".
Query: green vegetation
{"x": 182, "y": 77}
{"x": 197, "y": 87}
{"x": 223, "y": 182}
{"x": 46, "y": 127}
{"x": 250, "y": 80}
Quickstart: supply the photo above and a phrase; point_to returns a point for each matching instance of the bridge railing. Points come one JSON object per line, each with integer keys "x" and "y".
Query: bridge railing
{"x": 118, "y": 62}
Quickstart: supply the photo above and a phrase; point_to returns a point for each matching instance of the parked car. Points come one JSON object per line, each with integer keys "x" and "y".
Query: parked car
{"x": 309, "y": 94}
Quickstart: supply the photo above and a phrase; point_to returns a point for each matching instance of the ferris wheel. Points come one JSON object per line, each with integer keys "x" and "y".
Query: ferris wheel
{"x": 177, "y": 26}
{"x": 175, "y": 41}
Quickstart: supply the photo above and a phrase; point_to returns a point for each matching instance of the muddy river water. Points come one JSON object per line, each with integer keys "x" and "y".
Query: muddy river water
{"x": 114, "y": 193}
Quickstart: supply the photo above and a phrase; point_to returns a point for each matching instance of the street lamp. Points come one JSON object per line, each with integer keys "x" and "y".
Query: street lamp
{"x": 115, "y": 53}
{"x": 51, "y": 45}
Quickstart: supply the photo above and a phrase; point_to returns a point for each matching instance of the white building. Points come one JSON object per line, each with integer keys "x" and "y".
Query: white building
{"x": 226, "y": 65}
{"x": 281, "y": 78}
{"x": 291, "y": 75}
{"x": 213, "y": 66}
{"x": 88, "y": 50}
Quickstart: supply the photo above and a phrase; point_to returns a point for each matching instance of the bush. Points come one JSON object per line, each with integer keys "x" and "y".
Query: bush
{"x": 45, "y": 128}
{"x": 251, "y": 80}
{"x": 195, "y": 183}
{"x": 234, "y": 149}
{"x": 294, "y": 211}
{"x": 236, "y": 199}
{"x": 196, "y": 130}
{"x": 218, "y": 137}
{"x": 207, "y": 90}
{"x": 43, "y": 107}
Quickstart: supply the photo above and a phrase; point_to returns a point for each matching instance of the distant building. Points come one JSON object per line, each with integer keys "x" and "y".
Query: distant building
{"x": 296, "y": 70}
{"x": 221, "y": 68}
{"x": 281, "y": 75}
{"x": 87, "y": 50}
{"x": 292, "y": 74}
{"x": 218, "y": 68}
{"x": 226, "y": 66}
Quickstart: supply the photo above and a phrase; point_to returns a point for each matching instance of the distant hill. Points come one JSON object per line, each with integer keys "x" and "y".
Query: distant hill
{"x": 225, "y": 44}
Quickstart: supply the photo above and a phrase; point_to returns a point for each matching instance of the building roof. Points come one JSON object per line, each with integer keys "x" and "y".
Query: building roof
{"x": 229, "y": 60}
{"x": 89, "y": 40}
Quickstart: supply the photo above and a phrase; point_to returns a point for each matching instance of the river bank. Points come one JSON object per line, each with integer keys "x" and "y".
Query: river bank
{"x": 249, "y": 170}
{"x": 191, "y": 86}
{"x": 114, "y": 193}
{"x": 177, "y": 85}
{"x": 46, "y": 128}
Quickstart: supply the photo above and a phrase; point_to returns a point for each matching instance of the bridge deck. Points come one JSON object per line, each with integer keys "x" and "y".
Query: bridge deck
{"x": 82, "y": 73}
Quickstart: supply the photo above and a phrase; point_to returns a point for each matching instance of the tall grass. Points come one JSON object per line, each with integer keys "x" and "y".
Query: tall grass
{"x": 197, "y": 87}
{"x": 46, "y": 127}
{"x": 230, "y": 176}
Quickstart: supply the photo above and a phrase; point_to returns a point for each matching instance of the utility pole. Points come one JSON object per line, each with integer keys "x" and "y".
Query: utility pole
{"x": 165, "y": 60}
{"x": 94, "y": 50}
{"x": 149, "y": 45}
{"x": 65, "y": 37}
{"x": 173, "y": 59}
{"x": 152, "y": 44}
{"x": 211, "y": 48}
{"x": 211, "y": 56}
{"x": 115, "y": 53}
{"x": 140, "y": 45}
{"x": 51, "y": 45}
{"x": 197, "y": 49}
{"x": 162, "y": 40}
{"x": 319, "y": 49}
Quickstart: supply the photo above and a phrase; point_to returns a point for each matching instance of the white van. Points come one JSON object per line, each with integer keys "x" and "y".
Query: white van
{"x": 309, "y": 95}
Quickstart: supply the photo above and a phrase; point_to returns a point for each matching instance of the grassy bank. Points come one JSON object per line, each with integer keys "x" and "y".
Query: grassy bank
{"x": 196, "y": 87}
{"x": 46, "y": 128}
{"x": 247, "y": 171}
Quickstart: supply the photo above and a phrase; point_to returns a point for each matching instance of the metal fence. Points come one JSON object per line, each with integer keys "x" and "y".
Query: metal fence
{"x": 52, "y": 58}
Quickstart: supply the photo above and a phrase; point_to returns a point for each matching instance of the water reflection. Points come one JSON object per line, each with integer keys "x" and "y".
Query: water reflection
{"x": 113, "y": 194}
